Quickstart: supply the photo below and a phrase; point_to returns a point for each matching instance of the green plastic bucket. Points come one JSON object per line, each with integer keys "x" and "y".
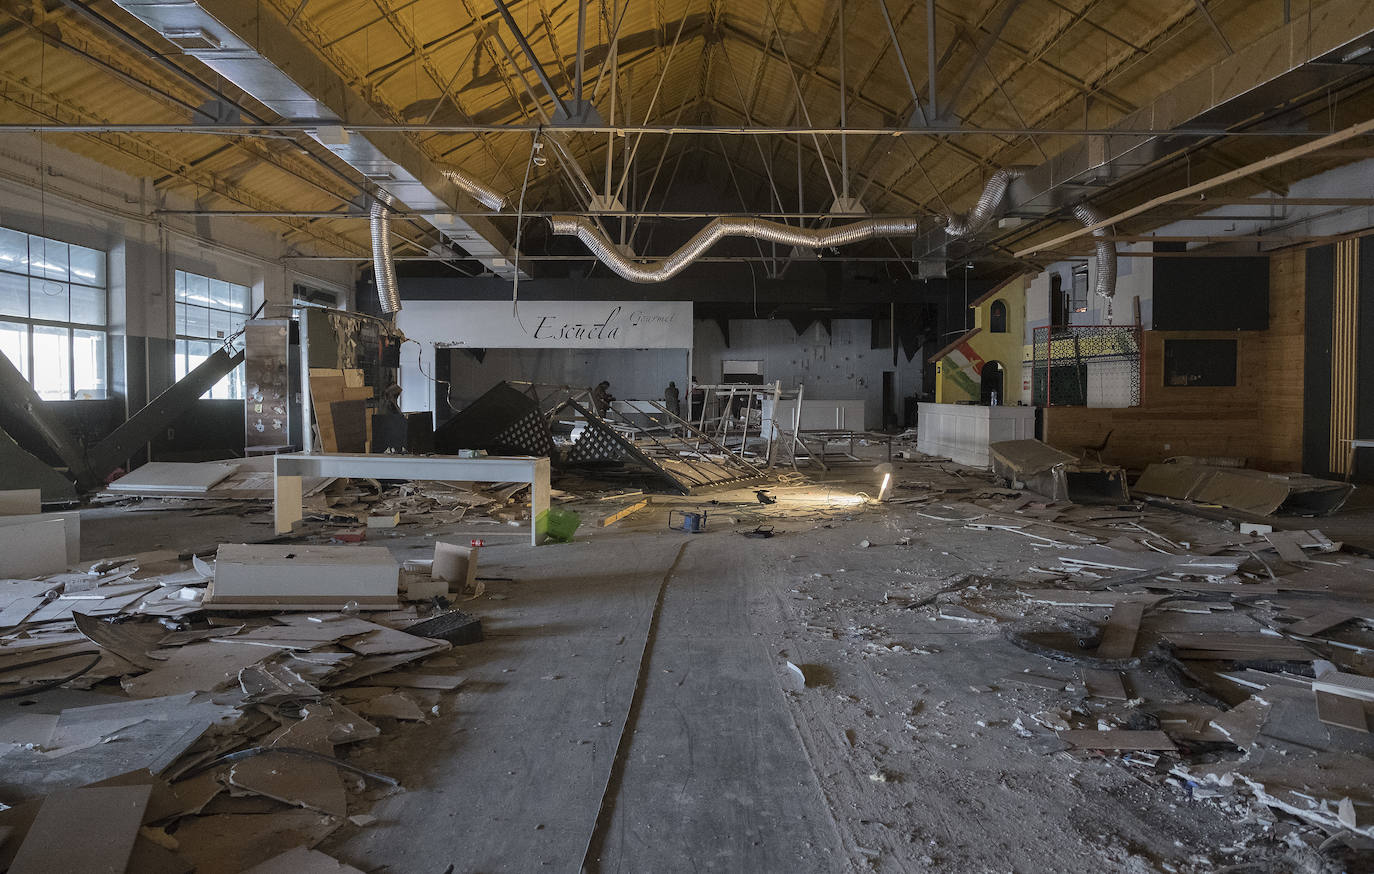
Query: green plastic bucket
{"x": 560, "y": 525}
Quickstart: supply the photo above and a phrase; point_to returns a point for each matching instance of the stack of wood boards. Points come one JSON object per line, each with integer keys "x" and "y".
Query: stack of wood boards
{"x": 339, "y": 398}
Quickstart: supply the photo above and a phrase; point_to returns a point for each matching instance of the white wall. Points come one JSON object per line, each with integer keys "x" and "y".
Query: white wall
{"x": 838, "y": 367}
{"x": 78, "y": 200}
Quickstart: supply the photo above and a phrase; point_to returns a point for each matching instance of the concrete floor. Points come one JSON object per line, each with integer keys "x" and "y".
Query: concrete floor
{"x": 632, "y": 710}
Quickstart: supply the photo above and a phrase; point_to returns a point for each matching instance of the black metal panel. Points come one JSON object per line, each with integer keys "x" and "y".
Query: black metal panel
{"x": 504, "y": 421}
{"x": 1316, "y": 419}
{"x": 1211, "y": 294}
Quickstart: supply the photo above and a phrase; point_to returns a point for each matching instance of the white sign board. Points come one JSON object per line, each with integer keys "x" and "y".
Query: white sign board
{"x": 582, "y": 324}
{"x": 489, "y": 324}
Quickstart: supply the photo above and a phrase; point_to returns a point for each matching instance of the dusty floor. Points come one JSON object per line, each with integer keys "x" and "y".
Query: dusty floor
{"x": 632, "y": 710}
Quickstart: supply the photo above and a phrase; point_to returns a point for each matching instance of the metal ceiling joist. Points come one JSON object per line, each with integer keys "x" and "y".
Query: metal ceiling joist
{"x": 271, "y": 62}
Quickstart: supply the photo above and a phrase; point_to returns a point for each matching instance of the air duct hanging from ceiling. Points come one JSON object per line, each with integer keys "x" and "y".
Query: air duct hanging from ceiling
{"x": 483, "y": 194}
{"x": 383, "y": 268}
{"x": 969, "y": 223}
{"x": 609, "y": 254}
{"x": 1105, "y": 283}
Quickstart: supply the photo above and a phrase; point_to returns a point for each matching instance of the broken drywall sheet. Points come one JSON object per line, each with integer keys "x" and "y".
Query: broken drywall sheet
{"x": 34, "y": 548}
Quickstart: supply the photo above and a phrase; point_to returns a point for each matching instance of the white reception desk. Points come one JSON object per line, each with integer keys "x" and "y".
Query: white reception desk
{"x": 963, "y": 432}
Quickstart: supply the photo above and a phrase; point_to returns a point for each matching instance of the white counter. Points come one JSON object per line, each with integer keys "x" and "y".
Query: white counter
{"x": 963, "y": 432}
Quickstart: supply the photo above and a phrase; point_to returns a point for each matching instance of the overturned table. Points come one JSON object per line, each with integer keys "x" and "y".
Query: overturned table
{"x": 289, "y": 469}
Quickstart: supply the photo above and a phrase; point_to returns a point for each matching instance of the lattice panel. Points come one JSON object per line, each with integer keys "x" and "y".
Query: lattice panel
{"x": 597, "y": 443}
{"x": 529, "y": 433}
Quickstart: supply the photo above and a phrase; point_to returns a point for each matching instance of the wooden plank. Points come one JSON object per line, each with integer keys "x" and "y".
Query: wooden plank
{"x": 621, "y": 514}
{"x": 87, "y": 830}
{"x": 1342, "y": 711}
{"x": 1122, "y": 627}
{"x": 1105, "y": 684}
{"x": 1085, "y": 739}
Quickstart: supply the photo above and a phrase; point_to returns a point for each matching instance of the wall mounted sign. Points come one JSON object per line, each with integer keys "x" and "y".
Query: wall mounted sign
{"x": 582, "y": 324}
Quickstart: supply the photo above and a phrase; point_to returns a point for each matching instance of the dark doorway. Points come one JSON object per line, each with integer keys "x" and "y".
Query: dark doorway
{"x": 1059, "y": 303}
{"x": 991, "y": 389}
{"x": 889, "y": 399}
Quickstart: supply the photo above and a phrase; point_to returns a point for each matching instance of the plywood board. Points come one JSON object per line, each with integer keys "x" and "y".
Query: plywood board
{"x": 1319, "y": 622}
{"x": 1342, "y": 711}
{"x": 1123, "y": 626}
{"x": 1348, "y": 685}
{"x": 86, "y": 830}
{"x": 21, "y": 502}
{"x": 1105, "y": 684}
{"x": 196, "y": 667}
{"x": 1288, "y": 544}
{"x": 1117, "y": 740}
{"x": 33, "y": 549}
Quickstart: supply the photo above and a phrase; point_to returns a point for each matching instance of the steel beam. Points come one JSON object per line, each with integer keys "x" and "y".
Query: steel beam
{"x": 140, "y": 428}
{"x": 1364, "y": 128}
{"x": 1216, "y": 29}
{"x": 984, "y": 47}
{"x": 534, "y": 59}
{"x": 25, "y": 405}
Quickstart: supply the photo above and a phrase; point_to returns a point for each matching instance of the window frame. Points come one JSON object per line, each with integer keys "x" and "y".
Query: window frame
{"x": 233, "y": 386}
{"x": 71, "y": 330}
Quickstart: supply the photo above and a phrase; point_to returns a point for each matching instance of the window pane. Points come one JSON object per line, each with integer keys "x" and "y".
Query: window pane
{"x": 197, "y": 289}
{"x": 88, "y": 305}
{"x": 226, "y": 295}
{"x": 88, "y": 266}
{"x": 51, "y": 363}
{"x": 14, "y": 251}
{"x": 14, "y": 342}
{"x": 88, "y": 363}
{"x": 181, "y": 319}
{"x": 179, "y": 279}
{"x": 221, "y": 324}
{"x": 181, "y": 359}
{"x": 197, "y": 321}
{"x": 14, "y": 295}
{"x": 47, "y": 258}
{"x": 48, "y": 300}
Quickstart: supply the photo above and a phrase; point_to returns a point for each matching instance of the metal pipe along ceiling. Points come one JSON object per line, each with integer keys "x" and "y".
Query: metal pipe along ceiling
{"x": 1105, "y": 284}
{"x": 483, "y": 194}
{"x": 383, "y": 269}
{"x": 755, "y": 228}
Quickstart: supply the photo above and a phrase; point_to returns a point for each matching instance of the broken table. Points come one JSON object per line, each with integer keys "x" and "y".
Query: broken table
{"x": 441, "y": 468}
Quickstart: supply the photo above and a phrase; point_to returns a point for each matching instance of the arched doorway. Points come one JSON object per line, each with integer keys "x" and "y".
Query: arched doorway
{"x": 993, "y": 377}
{"x": 997, "y": 317}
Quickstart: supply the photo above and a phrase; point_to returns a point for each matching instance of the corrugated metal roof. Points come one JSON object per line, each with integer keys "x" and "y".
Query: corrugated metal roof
{"x": 1058, "y": 63}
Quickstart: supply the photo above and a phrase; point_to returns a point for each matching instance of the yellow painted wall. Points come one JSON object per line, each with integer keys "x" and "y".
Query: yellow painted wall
{"x": 1008, "y": 349}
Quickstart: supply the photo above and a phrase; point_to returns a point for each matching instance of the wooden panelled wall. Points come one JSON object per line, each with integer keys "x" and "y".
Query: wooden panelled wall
{"x": 1260, "y": 418}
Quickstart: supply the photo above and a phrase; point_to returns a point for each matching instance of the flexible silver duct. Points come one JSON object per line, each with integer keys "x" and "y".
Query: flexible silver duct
{"x": 759, "y": 229}
{"x": 969, "y": 223}
{"x": 1105, "y": 284}
{"x": 483, "y": 194}
{"x": 383, "y": 268}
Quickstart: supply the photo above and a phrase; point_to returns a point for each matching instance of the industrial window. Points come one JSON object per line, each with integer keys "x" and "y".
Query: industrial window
{"x": 997, "y": 317}
{"x": 52, "y": 314}
{"x": 209, "y": 311}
